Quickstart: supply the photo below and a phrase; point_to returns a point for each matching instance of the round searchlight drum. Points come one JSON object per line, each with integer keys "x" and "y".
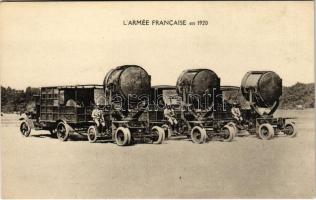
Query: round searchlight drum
{"x": 128, "y": 81}
{"x": 262, "y": 87}
{"x": 198, "y": 81}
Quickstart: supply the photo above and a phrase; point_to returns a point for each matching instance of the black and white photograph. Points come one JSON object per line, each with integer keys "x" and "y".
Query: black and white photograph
{"x": 156, "y": 100}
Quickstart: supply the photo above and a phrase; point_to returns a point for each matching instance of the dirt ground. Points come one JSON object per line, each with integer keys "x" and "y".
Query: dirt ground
{"x": 42, "y": 167}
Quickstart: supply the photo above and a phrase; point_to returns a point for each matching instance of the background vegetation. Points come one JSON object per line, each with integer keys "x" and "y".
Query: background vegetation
{"x": 13, "y": 100}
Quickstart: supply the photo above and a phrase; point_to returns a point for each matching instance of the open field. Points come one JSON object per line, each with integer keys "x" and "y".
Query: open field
{"x": 43, "y": 167}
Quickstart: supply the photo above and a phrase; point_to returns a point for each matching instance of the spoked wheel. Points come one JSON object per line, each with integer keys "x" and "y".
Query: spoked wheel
{"x": 198, "y": 135}
{"x": 159, "y": 134}
{"x": 25, "y": 129}
{"x": 234, "y": 126}
{"x": 290, "y": 129}
{"x": 92, "y": 134}
{"x": 265, "y": 131}
{"x": 62, "y": 131}
{"x": 122, "y": 136}
{"x": 165, "y": 127}
{"x": 229, "y": 133}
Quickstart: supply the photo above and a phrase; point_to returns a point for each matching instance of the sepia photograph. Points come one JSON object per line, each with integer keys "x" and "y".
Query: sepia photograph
{"x": 134, "y": 100}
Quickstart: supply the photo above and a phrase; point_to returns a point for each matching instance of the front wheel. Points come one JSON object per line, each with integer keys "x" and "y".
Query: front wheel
{"x": 122, "y": 136}
{"x": 25, "y": 129}
{"x": 198, "y": 135}
{"x": 290, "y": 130}
{"x": 92, "y": 134}
{"x": 159, "y": 134}
{"x": 265, "y": 131}
{"x": 229, "y": 133}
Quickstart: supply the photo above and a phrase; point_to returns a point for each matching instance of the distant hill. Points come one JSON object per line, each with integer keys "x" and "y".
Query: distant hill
{"x": 299, "y": 94}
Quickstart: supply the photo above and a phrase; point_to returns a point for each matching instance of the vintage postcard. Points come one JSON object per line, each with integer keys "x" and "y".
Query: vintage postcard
{"x": 161, "y": 100}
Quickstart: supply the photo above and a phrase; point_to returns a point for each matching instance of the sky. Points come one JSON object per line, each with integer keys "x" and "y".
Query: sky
{"x": 66, "y": 43}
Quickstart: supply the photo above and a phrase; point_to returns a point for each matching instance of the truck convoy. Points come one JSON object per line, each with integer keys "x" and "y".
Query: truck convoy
{"x": 132, "y": 111}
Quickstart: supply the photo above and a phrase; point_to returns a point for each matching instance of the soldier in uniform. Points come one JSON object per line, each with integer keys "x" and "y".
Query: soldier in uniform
{"x": 236, "y": 112}
{"x": 169, "y": 115}
{"x": 98, "y": 117}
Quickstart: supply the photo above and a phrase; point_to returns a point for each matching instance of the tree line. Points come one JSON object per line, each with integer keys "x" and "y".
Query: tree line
{"x": 298, "y": 95}
{"x": 13, "y": 100}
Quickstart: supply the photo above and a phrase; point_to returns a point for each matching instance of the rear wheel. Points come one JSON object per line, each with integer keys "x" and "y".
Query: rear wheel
{"x": 62, "y": 131}
{"x": 25, "y": 129}
{"x": 92, "y": 134}
{"x": 159, "y": 134}
{"x": 290, "y": 129}
{"x": 198, "y": 135}
{"x": 229, "y": 133}
{"x": 122, "y": 136}
{"x": 265, "y": 131}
